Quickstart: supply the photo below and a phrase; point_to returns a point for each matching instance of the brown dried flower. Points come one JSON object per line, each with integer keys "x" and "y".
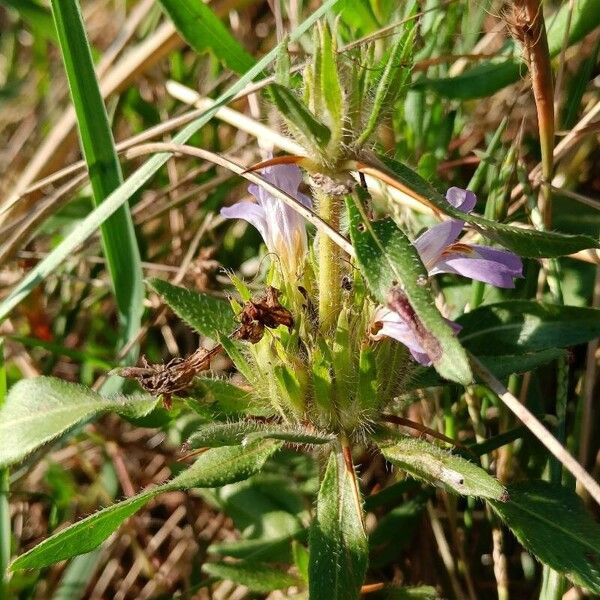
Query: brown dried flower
{"x": 265, "y": 312}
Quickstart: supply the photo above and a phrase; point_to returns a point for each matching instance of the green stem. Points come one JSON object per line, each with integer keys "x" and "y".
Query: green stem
{"x": 330, "y": 268}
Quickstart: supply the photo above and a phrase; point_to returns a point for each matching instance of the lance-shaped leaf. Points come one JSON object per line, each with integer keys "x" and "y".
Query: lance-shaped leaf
{"x": 257, "y": 577}
{"x": 214, "y": 435}
{"x": 338, "y": 542}
{"x": 522, "y": 326}
{"x": 396, "y": 69}
{"x": 207, "y": 315}
{"x": 524, "y": 242}
{"x": 298, "y": 117}
{"x": 38, "y": 410}
{"x": 203, "y": 30}
{"x": 216, "y": 467}
{"x": 552, "y": 523}
{"x": 387, "y": 261}
{"x": 330, "y": 86}
{"x": 440, "y": 468}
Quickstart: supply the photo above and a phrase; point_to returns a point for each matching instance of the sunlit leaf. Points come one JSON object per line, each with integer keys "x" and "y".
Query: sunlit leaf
{"x": 440, "y": 468}
{"x": 38, "y": 410}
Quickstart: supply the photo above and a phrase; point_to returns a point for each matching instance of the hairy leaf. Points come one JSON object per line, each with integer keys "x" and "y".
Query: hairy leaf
{"x": 207, "y": 315}
{"x": 438, "y": 467}
{"x": 214, "y": 435}
{"x": 256, "y": 577}
{"x": 215, "y": 467}
{"x": 298, "y": 116}
{"x": 552, "y": 523}
{"x": 338, "y": 542}
{"x": 38, "y": 410}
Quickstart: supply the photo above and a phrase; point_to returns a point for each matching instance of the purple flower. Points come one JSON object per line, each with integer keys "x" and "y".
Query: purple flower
{"x": 389, "y": 323}
{"x": 441, "y": 253}
{"x": 280, "y": 226}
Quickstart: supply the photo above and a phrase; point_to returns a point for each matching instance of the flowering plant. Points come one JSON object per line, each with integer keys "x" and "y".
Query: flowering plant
{"x": 339, "y": 350}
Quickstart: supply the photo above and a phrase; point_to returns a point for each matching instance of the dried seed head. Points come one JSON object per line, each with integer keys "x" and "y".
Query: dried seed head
{"x": 258, "y": 314}
{"x": 168, "y": 379}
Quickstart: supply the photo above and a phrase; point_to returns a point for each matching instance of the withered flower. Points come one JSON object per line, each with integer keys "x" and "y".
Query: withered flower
{"x": 258, "y": 314}
{"x": 168, "y": 379}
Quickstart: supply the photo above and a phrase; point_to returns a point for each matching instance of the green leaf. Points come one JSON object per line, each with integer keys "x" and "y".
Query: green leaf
{"x": 203, "y": 30}
{"x": 396, "y": 72}
{"x": 83, "y": 536}
{"x": 330, "y": 85}
{"x": 438, "y": 467}
{"x": 490, "y": 76}
{"x": 118, "y": 236}
{"x": 230, "y": 398}
{"x": 388, "y": 260}
{"x": 38, "y": 410}
{"x": 215, "y": 467}
{"x": 552, "y": 523}
{"x": 299, "y": 117}
{"x": 524, "y": 242}
{"x": 522, "y": 326}
{"x": 214, "y": 435}
{"x": 141, "y": 176}
{"x": 220, "y": 466}
{"x": 421, "y": 592}
{"x": 207, "y": 315}
{"x": 256, "y": 577}
{"x": 501, "y": 365}
{"x": 338, "y": 542}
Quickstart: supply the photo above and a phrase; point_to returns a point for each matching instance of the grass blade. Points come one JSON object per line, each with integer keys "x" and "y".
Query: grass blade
{"x": 139, "y": 177}
{"x": 97, "y": 144}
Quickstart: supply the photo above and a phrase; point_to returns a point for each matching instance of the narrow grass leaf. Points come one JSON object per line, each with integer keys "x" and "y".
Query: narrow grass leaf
{"x": 118, "y": 236}
{"x": 38, "y": 410}
{"x": 552, "y": 523}
{"x": 338, "y": 543}
{"x": 203, "y": 30}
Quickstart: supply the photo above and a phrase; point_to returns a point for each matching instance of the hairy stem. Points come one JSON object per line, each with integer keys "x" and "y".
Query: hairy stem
{"x": 330, "y": 268}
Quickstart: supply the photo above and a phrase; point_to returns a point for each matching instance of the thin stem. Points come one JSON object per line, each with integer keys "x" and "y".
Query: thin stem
{"x": 538, "y": 430}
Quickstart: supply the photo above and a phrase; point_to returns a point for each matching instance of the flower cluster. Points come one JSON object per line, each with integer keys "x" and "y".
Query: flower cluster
{"x": 284, "y": 233}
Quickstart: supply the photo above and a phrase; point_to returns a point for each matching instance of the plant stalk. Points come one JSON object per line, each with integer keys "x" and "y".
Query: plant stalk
{"x": 330, "y": 268}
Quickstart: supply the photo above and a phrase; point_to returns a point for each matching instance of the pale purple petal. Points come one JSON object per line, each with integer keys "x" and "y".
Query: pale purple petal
{"x": 434, "y": 241}
{"x": 286, "y": 177}
{"x": 496, "y": 267}
{"x": 253, "y": 213}
{"x": 393, "y": 326}
{"x": 464, "y": 200}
